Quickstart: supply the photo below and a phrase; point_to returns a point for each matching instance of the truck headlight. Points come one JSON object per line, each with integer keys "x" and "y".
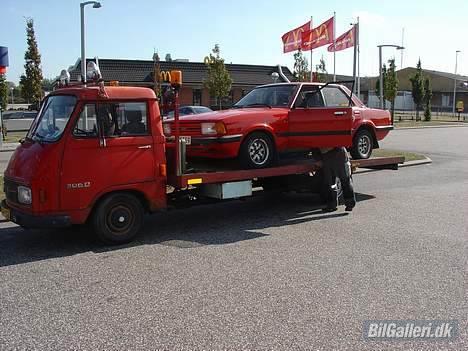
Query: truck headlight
{"x": 212, "y": 128}
{"x": 24, "y": 195}
{"x": 167, "y": 129}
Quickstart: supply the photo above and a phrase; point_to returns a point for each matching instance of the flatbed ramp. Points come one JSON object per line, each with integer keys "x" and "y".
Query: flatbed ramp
{"x": 206, "y": 176}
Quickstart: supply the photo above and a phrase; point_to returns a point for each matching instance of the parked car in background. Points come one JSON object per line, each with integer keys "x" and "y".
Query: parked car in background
{"x": 190, "y": 110}
{"x": 281, "y": 118}
{"x": 18, "y": 120}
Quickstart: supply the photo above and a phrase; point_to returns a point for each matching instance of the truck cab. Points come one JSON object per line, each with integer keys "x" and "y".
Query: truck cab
{"x": 86, "y": 143}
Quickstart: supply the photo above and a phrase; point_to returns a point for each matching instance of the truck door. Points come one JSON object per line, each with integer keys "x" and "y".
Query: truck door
{"x": 320, "y": 118}
{"x": 89, "y": 168}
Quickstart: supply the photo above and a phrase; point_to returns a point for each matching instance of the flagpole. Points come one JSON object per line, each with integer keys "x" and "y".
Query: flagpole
{"x": 359, "y": 58}
{"x": 355, "y": 57}
{"x": 311, "y": 67}
{"x": 334, "y": 43}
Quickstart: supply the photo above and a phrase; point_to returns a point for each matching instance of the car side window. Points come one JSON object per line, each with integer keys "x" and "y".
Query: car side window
{"x": 309, "y": 97}
{"x": 335, "y": 97}
{"x": 86, "y": 125}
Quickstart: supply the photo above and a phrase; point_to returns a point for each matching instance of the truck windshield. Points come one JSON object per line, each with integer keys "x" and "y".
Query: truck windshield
{"x": 270, "y": 96}
{"x": 52, "y": 118}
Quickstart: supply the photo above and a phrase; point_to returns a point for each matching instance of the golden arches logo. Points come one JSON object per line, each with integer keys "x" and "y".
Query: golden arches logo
{"x": 321, "y": 32}
{"x": 165, "y": 76}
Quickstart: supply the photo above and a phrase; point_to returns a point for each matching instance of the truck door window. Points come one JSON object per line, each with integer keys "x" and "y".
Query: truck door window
{"x": 131, "y": 118}
{"x": 335, "y": 97}
{"x": 86, "y": 125}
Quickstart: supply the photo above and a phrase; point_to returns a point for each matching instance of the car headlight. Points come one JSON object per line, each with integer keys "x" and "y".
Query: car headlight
{"x": 167, "y": 129}
{"x": 24, "y": 195}
{"x": 212, "y": 128}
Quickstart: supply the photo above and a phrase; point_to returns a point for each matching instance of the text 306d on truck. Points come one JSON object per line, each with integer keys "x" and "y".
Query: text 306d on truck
{"x": 98, "y": 155}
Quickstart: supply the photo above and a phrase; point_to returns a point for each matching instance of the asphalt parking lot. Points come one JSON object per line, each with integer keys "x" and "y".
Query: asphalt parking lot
{"x": 256, "y": 274}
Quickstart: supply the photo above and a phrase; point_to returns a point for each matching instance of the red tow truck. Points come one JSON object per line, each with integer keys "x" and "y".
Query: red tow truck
{"x": 98, "y": 155}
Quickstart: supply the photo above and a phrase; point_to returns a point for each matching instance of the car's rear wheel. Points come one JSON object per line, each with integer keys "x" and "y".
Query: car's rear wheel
{"x": 118, "y": 218}
{"x": 257, "y": 151}
{"x": 362, "y": 145}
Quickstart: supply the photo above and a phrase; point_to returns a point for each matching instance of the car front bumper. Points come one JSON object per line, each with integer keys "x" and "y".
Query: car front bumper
{"x": 33, "y": 221}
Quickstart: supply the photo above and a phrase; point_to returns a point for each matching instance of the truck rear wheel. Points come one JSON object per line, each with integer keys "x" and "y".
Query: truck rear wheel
{"x": 118, "y": 218}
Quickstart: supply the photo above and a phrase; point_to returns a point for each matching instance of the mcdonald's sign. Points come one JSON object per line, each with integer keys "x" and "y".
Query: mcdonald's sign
{"x": 165, "y": 76}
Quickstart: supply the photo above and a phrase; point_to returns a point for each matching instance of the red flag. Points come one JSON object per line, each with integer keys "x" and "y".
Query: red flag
{"x": 344, "y": 41}
{"x": 322, "y": 35}
{"x": 292, "y": 39}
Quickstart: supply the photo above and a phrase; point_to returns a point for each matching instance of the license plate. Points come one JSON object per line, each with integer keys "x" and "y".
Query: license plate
{"x": 187, "y": 139}
{"x": 6, "y": 213}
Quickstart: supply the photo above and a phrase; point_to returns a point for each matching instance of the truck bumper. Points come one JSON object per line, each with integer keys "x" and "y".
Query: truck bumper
{"x": 31, "y": 221}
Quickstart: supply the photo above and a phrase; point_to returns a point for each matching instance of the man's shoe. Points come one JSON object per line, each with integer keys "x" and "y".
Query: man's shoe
{"x": 348, "y": 209}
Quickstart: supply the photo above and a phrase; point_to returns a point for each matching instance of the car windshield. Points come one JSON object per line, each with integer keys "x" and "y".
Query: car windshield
{"x": 272, "y": 96}
{"x": 52, "y": 119}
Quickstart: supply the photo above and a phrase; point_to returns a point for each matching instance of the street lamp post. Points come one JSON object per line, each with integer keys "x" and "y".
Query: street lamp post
{"x": 12, "y": 96}
{"x": 455, "y": 82}
{"x": 96, "y": 5}
{"x": 398, "y": 47}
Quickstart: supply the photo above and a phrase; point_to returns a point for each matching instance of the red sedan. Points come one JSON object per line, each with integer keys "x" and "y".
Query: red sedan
{"x": 280, "y": 118}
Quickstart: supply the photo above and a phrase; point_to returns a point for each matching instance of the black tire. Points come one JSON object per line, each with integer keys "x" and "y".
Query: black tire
{"x": 363, "y": 145}
{"x": 118, "y": 218}
{"x": 257, "y": 151}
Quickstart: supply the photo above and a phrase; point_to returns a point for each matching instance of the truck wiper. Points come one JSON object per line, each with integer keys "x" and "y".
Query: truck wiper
{"x": 257, "y": 104}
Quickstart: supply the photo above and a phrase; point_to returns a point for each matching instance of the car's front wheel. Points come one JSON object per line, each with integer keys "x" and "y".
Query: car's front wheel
{"x": 257, "y": 151}
{"x": 362, "y": 145}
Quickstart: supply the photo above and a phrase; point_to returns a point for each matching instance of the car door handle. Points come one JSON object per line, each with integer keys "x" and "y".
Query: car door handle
{"x": 339, "y": 113}
{"x": 145, "y": 147}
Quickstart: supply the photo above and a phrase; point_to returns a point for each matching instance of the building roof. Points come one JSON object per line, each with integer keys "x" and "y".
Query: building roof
{"x": 140, "y": 72}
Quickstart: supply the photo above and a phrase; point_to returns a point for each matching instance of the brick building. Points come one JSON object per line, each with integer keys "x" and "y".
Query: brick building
{"x": 141, "y": 72}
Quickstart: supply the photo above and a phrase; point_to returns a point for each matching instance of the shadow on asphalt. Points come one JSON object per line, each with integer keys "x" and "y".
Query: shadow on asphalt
{"x": 219, "y": 224}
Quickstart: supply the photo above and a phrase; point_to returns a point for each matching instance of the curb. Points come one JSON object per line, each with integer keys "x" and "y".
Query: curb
{"x": 442, "y": 126}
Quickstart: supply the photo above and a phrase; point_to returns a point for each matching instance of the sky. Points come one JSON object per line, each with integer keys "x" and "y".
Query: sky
{"x": 248, "y": 31}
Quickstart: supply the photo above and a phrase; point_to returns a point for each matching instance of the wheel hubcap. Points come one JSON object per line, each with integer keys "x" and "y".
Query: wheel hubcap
{"x": 120, "y": 219}
{"x": 258, "y": 151}
{"x": 364, "y": 145}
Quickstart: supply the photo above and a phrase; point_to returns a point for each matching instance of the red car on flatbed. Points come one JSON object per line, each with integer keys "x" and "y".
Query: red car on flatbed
{"x": 281, "y": 118}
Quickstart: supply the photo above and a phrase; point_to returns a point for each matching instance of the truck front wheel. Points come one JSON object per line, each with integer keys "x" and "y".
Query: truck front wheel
{"x": 118, "y": 218}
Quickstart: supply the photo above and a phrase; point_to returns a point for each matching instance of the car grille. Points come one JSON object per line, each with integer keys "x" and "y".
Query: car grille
{"x": 11, "y": 190}
{"x": 189, "y": 128}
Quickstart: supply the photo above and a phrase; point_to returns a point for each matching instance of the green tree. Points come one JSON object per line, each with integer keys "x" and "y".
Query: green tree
{"x": 321, "y": 70}
{"x": 47, "y": 84}
{"x": 219, "y": 80}
{"x": 417, "y": 84}
{"x": 427, "y": 99}
{"x": 377, "y": 85}
{"x": 3, "y": 92}
{"x": 301, "y": 67}
{"x": 391, "y": 86}
{"x": 31, "y": 80}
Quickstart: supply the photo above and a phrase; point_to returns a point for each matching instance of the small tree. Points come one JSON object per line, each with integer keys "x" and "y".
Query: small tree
{"x": 417, "y": 84}
{"x": 301, "y": 67}
{"x": 377, "y": 85}
{"x": 427, "y": 99}
{"x": 32, "y": 79}
{"x": 219, "y": 80}
{"x": 3, "y": 92}
{"x": 321, "y": 70}
{"x": 391, "y": 86}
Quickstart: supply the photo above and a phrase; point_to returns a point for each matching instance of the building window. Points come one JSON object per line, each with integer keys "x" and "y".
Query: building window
{"x": 197, "y": 97}
{"x": 446, "y": 100}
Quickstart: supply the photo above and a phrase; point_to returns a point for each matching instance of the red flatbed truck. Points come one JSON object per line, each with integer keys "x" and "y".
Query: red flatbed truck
{"x": 98, "y": 155}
